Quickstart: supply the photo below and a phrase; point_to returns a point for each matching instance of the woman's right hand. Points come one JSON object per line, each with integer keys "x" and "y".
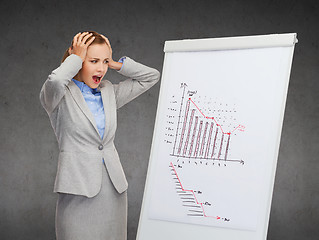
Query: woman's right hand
{"x": 79, "y": 44}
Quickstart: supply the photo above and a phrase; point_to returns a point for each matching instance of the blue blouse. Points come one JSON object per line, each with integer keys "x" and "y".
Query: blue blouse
{"x": 94, "y": 101}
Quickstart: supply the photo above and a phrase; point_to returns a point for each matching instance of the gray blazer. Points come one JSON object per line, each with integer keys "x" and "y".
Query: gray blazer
{"x": 81, "y": 147}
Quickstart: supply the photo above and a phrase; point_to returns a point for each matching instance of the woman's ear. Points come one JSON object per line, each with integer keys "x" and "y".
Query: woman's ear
{"x": 70, "y": 50}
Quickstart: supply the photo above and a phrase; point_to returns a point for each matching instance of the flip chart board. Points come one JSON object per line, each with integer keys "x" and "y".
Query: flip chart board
{"x": 216, "y": 138}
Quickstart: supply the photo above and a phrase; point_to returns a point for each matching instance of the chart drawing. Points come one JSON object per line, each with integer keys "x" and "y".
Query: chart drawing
{"x": 190, "y": 199}
{"x": 202, "y": 156}
{"x": 201, "y": 139}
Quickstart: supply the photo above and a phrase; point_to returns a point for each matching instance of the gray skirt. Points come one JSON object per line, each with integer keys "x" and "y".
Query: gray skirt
{"x": 103, "y": 217}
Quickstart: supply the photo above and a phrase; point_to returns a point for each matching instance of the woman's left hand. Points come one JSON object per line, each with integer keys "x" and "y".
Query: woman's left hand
{"x": 112, "y": 64}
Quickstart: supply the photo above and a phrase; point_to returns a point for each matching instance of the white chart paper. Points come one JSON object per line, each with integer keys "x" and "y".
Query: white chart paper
{"x": 215, "y": 136}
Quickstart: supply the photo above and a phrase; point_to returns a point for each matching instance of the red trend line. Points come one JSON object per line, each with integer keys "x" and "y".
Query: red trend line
{"x": 192, "y": 191}
{"x": 228, "y": 133}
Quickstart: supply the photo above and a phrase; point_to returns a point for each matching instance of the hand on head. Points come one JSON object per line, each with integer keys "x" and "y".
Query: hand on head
{"x": 80, "y": 44}
{"x": 107, "y": 42}
{"x": 82, "y": 41}
{"x": 109, "y": 45}
{"x": 112, "y": 64}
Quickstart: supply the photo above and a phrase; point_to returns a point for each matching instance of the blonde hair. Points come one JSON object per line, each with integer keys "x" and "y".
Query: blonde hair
{"x": 98, "y": 40}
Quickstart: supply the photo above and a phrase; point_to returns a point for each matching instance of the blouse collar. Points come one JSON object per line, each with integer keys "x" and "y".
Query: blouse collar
{"x": 83, "y": 87}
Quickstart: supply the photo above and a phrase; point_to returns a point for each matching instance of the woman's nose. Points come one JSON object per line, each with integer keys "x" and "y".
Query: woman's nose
{"x": 100, "y": 67}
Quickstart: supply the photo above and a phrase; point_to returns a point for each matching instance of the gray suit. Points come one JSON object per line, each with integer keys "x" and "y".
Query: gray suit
{"x": 81, "y": 147}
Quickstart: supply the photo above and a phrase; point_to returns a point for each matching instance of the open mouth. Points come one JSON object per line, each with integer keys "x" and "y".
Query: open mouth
{"x": 96, "y": 78}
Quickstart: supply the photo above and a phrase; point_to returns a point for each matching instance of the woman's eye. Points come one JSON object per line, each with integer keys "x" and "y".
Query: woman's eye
{"x": 94, "y": 61}
{"x": 106, "y": 61}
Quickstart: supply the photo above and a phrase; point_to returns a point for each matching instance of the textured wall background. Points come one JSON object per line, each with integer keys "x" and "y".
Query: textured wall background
{"x": 34, "y": 35}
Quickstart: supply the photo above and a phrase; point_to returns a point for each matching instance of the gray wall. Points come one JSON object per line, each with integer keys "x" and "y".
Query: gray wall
{"x": 36, "y": 33}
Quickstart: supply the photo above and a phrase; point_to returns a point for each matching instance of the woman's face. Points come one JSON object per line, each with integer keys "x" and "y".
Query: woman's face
{"x": 95, "y": 65}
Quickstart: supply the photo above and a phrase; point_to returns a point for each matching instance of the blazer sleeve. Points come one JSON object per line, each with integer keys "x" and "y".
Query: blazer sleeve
{"x": 54, "y": 87}
{"x": 140, "y": 79}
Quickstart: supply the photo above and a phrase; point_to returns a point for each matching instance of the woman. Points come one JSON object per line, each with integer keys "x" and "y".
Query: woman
{"x": 92, "y": 200}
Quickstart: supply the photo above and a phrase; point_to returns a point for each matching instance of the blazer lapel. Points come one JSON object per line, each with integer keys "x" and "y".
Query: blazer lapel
{"x": 105, "y": 100}
{"x": 79, "y": 99}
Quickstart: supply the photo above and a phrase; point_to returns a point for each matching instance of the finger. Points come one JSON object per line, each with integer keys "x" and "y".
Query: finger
{"x": 80, "y": 37}
{"x": 106, "y": 40}
{"x": 108, "y": 44}
{"x": 75, "y": 39}
{"x": 90, "y": 41}
{"x": 85, "y": 38}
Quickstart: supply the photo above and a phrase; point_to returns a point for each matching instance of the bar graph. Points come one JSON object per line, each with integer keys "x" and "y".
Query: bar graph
{"x": 199, "y": 136}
